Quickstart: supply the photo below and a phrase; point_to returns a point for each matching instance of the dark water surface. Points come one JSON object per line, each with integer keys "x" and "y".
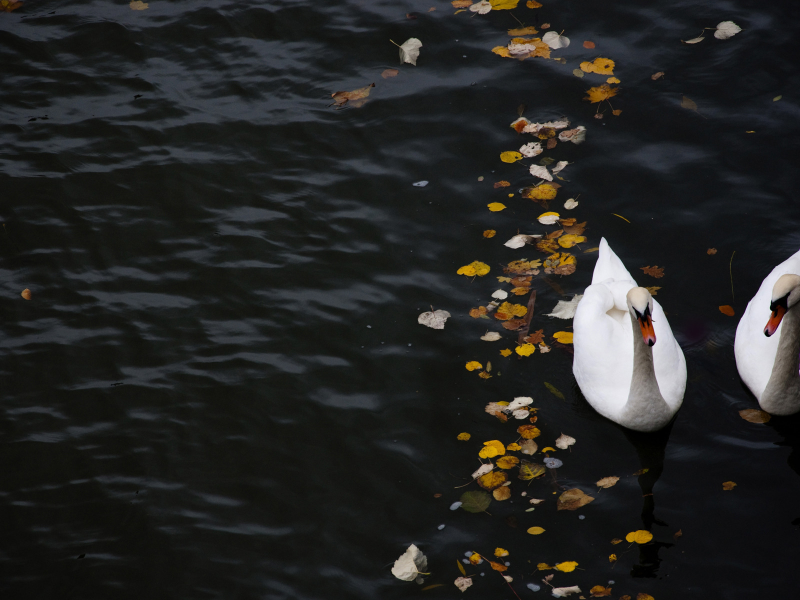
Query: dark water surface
{"x": 219, "y": 388}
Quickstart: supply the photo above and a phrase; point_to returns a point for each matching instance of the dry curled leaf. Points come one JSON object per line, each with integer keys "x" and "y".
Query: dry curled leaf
{"x": 654, "y": 271}
{"x": 356, "y": 98}
{"x": 656, "y": 76}
{"x": 462, "y": 583}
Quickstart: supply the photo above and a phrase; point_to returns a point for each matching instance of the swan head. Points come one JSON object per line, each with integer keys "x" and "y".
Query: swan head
{"x": 640, "y": 304}
{"x": 785, "y": 294}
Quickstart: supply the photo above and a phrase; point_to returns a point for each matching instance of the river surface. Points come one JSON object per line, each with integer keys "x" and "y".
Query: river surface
{"x": 219, "y": 389}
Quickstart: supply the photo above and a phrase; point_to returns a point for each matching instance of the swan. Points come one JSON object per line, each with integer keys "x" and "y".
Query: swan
{"x": 627, "y": 363}
{"x": 767, "y": 346}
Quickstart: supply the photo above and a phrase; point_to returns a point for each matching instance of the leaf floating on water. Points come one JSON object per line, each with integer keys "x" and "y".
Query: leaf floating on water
{"x": 510, "y": 156}
{"x": 536, "y": 530}
{"x": 475, "y": 502}
{"x": 696, "y": 40}
{"x": 501, "y": 493}
{"x": 506, "y": 353}
{"x": 483, "y": 470}
{"x": 26, "y": 293}
{"x": 459, "y": 565}
{"x": 489, "y": 233}
{"x": 564, "y": 441}
{"x": 435, "y": 319}
{"x": 600, "y": 93}
{"x": 135, "y": 5}
{"x": 496, "y": 206}
{"x": 563, "y": 592}
{"x": 520, "y": 31}
{"x": 567, "y": 567}
{"x": 525, "y": 349}
{"x": 410, "y": 564}
{"x": 599, "y": 591}
{"x": 653, "y": 289}
{"x": 727, "y": 310}
{"x": 729, "y": 485}
{"x": 474, "y": 364}
{"x": 552, "y": 463}
{"x": 474, "y": 268}
{"x": 518, "y": 241}
{"x": 554, "y": 40}
{"x": 409, "y": 51}
{"x": 530, "y": 470}
{"x": 726, "y": 30}
{"x": 507, "y": 462}
{"x": 554, "y": 390}
{"x": 573, "y": 499}
{"x": 387, "y": 73}
{"x": 533, "y": 4}
{"x": 529, "y": 447}
{"x": 640, "y": 536}
{"x": 776, "y": 98}
{"x": 357, "y": 98}
{"x": 565, "y": 337}
{"x": 577, "y": 72}
{"x": 607, "y": 482}
{"x": 491, "y": 336}
{"x": 461, "y": 3}
{"x": 463, "y": 583}
{"x": 688, "y": 103}
{"x": 422, "y": 183}
{"x": 656, "y": 76}
{"x": 481, "y": 7}
{"x": 753, "y": 415}
{"x": 548, "y": 218}
{"x": 655, "y": 271}
{"x": 463, "y": 436}
{"x": 588, "y": 45}
{"x": 528, "y": 432}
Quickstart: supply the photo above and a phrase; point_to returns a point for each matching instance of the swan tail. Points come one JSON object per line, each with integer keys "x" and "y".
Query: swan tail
{"x": 609, "y": 266}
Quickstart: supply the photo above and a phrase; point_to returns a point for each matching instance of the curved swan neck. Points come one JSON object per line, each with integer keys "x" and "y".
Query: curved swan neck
{"x": 782, "y": 394}
{"x": 646, "y": 408}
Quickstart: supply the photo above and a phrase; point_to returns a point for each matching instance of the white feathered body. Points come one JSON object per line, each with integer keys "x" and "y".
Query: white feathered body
{"x": 603, "y": 343}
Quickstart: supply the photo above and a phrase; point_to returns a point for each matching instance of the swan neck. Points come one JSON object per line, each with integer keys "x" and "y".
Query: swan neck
{"x": 646, "y": 407}
{"x": 782, "y": 394}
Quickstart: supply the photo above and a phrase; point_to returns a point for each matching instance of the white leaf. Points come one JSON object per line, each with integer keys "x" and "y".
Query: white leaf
{"x": 532, "y": 128}
{"x": 434, "y": 320}
{"x": 536, "y": 500}
{"x": 576, "y": 136}
{"x": 410, "y": 564}
{"x": 560, "y": 166}
{"x": 556, "y": 124}
{"x": 520, "y": 414}
{"x": 562, "y": 592}
{"x": 570, "y": 204}
{"x": 696, "y": 40}
{"x": 541, "y": 172}
{"x": 409, "y": 51}
{"x": 483, "y": 470}
{"x": 463, "y": 583}
{"x": 555, "y": 41}
{"x": 491, "y": 336}
{"x": 508, "y": 578}
{"x": 564, "y": 309}
{"x": 529, "y": 447}
{"x": 481, "y": 8}
{"x": 548, "y": 218}
{"x": 564, "y": 441}
{"x": 726, "y": 29}
{"x": 518, "y": 241}
{"x": 519, "y": 403}
{"x": 531, "y": 150}
{"x": 544, "y": 348}
{"x": 500, "y": 294}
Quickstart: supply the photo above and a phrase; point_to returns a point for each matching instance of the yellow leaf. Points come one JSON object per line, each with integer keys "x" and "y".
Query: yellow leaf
{"x": 505, "y": 352}
{"x": 522, "y": 31}
{"x": 548, "y": 449}
{"x": 612, "y": 80}
{"x": 565, "y": 337}
{"x": 475, "y": 558}
{"x": 544, "y": 567}
{"x": 533, "y": 4}
{"x": 498, "y": 566}
{"x": 484, "y": 375}
{"x": 510, "y": 156}
{"x": 507, "y": 462}
{"x": 502, "y": 493}
{"x": 513, "y": 446}
{"x": 503, "y": 4}
{"x": 728, "y": 485}
{"x": 601, "y": 66}
{"x": 529, "y": 432}
{"x": 540, "y": 192}
{"x": 489, "y": 233}
{"x": 496, "y": 206}
{"x": 535, "y": 530}
{"x": 507, "y": 310}
{"x": 525, "y": 349}
{"x": 461, "y": 568}
{"x": 640, "y": 536}
{"x": 569, "y": 240}
{"x": 506, "y": 279}
{"x": 464, "y": 436}
{"x": 529, "y": 470}
{"x": 474, "y": 364}
{"x": 641, "y": 596}
{"x": 612, "y": 558}
{"x": 502, "y": 51}
{"x": 616, "y": 541}
{"x": 567, "y": 567}
{"x": 600, "y": 93}
{"x": 498, "y": 552}
{"x": 492, "y": 480}
{"x": 474, "y": 268}
{"x": 491, "y": 449}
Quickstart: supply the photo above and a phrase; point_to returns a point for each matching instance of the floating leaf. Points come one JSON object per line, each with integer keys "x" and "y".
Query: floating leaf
{"x": 462, "y": 583}
{"x": 525, "y": 349}
{"x": 554, "y": 390}
{"x": 530, "y": 470}
{"x": 729, "y": 485}
{"x": 489, "y": 233}
{"x": 696, "y": 40}
{"x": 727, "y": 310}
{"x": 545, "y": 191}
{"x": 600, "y": 93}
{"x": 612, "y": 558}
{"x": 356, "y": 97}
{"x": 529, "y": 432}
{"x": 507, "y": 462}
{"x": 409, "y": 51}
{"x": 688, "y": 103}
{"x": 496, "y": 206}
{"x": 536, "y": 530}
{"x": 640, "y": 536}
{"x": 473, "y": 364}
{"x": 552, "y": 463}
{"x": 491, "y": 449}
{"x": 588, "y": 45}
{"x": 554, "y": 40}
{"x": 567, "y": 567}
{"x": 475, "y": 502}
{"x": 483, "y": 470}
{"x": 434, "y": 320}
{"x": 529, "y": 447}
{"x": 474, "y": 268}
{"x": 565, "y": 337}
{"x": 513, "y": 446}
{"x": 533, "y": 4}
{"x": 641, "y": 596}
{"x": 540, "y": 172}
{"x": 563, "y": 592}
{"x": 507, "y": 310}
{"x": 410, "y": 564}
{"x": 135, "y": 5}
{"x": 569, "y": 240}
{"x": 498, "y": 566}
{"x": 754, "y": 415}
{"x": 564, "y": 441}
{"x": 461, "y": 3}
{"x": 566, "y": 309}
{"x": 601, "y": 66}
{"x": 548, "y": 218}
{"x": 573, "y": 499}
{"x": 656, "y": 271}
{"x": 26, "y": 293}
{"x": 504, "y": 5}
{"x": 607, "y": 482}
{"x": 599, "y": 591}
{"x": 491, "y": 336}
{"x": 501, "y": 493}
{"x": 505, "y": 352}
{"x": 656, "y": 76}
{"x": 459, "y": 565}
{"x": 726, "y": 29}
{"x": 387, "y": 73}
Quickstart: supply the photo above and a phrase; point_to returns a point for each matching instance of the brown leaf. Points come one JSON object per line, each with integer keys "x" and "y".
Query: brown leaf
{"x": 437, "y": 495}
{"x": 688, "y": 103}
{"x": 563, "y": 270}
{"x": 677, "y": 534}
{"x": 9, "y": 5}
{"x": 555, "y": 234}
{"x": 496, "y": 410}
{"x": 552, "y": 143}
{"x": 753, "y": 415}
{"x": 502, "y": 493}
{"x": 536, "y": 337}
{"x": 342, "y": 98}
{"x": 573, "y": 499}
{"x": 599, "y": 591}
{"x": 519, "y": 31}
{"x": 514, "y": 324}
{"x": 728, "y": 485}
{"x": 498, "y": 566}
{"x": 616, "y": 113}
{"x": 545, "y": 25}
{"x": 658, "y": 75}
{"x": 653, "y": 289}
{"x": 520, "y": 291}
{"x": 711, "y": 251}
{"x": 567, "y": 222}
{"x": 461, "y": 3}
{"x": 726, "y": 309}
{"x": 576, "y": 229}
{"x": 656, "y": 271}
{"x": 547, "y": 246}
{"x": 501, "y": 184}
{"x": 607, "y": 482}
{"x": 477, "y": 312}
{"x": 26, "y": 293}
{"x": 521, "y": 281}
{"x": 529, "y": 432}
{"x": 588, "y": 45}
{"x": 390, "y": 73}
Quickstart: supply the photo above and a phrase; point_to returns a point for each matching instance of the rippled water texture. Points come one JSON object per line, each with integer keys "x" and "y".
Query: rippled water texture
{"x": 219, "y": 389}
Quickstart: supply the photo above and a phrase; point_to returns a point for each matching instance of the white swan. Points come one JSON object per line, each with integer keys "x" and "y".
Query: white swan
{"x": 627, "y": 363}
{"x": 769, "y": 363}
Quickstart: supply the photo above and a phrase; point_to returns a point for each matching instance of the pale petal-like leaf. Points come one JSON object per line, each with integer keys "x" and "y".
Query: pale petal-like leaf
{"x": 531, "y": 150}
{"x": 482, "y": 7}
{"x": 434, "y": 320}
{"x": 726, "y": 29}
{"x": 409, "y": 51}
{"x": 491, "y": 336}
{"x": 541, "y": 172}
{"x": 555, "y": 41}
{"x": 410, "y": 564}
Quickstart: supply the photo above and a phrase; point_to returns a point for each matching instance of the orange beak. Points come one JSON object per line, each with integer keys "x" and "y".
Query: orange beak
{"x": 774, "y": 320}
{"x": 648, "y": 333}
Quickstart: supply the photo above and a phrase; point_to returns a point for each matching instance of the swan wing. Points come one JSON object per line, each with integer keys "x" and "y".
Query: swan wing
{"x": 755, "y": 352}
{"x": 609, "y": 266}
{"x": 669, "y": 362}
